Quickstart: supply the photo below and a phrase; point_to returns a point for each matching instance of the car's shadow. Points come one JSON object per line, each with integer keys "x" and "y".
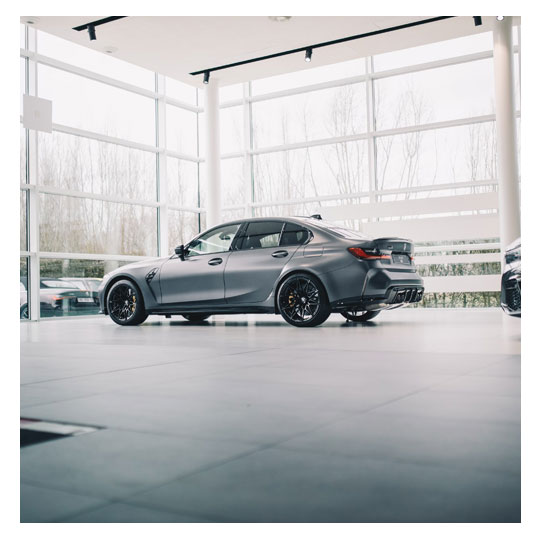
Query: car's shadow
{"x": 334, "y": 324}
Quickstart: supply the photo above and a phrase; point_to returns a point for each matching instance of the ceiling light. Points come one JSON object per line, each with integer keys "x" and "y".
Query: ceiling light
{"x": 280, "y": 18}
{"x": 206, "y": 77}
{"x": 323, "y": 44}
{"x": 309, "y": 52}
{"x": 110, "y": 50}
{"x": 31, "y": 20}
{"x": 477, "y": 20}
{"x": 500, "y": 17}
{"x": 92, "y": 32}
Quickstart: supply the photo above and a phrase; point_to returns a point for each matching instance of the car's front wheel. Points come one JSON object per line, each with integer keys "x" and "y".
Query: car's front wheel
{"x": 302, "y": 301}
{"x": 196, "y": 317}
{"x": 125, "y": 304}
{"x": 360, "y": 316}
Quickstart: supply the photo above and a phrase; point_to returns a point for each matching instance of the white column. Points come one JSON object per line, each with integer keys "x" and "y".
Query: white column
{"x": 212, "y": 158}
{"x": 509, "y": 209}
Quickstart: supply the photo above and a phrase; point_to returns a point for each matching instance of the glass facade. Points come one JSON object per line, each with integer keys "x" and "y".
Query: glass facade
{"x": 99, "y": 181}
{"x": 124, "y": 164}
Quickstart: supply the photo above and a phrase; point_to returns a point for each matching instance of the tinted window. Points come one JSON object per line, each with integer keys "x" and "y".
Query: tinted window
{"x": 214, "y": 241}
{"x": 294, "y": 235}
{"x": 261, "y": 234}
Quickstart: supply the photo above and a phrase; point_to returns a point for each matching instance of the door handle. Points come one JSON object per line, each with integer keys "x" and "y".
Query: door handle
{"x": 215, "y": 262}
{"x": 280, "y": 253}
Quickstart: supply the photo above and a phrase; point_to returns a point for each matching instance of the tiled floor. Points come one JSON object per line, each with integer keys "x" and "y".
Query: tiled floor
{"x": 414, "y": 416}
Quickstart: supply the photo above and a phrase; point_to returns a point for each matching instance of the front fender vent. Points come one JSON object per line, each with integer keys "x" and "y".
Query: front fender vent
{"x": 150, "y": 276}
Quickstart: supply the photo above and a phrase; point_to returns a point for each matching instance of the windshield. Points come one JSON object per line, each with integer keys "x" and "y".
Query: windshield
{"x": 93, "y": 284}
{"x": 57, "y": 284}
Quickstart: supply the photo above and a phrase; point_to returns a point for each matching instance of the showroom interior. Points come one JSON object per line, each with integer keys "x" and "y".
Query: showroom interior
{"x": 392, "y": 126}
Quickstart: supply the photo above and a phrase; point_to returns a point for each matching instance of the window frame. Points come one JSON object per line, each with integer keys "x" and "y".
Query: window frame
{"x": 263, "y": 220}
{"x": 307, "y": 241}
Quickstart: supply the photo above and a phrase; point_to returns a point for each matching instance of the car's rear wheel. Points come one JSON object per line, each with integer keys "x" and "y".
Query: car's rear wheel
{"x": 360, "y": 316}
{"x": 125, "y": 304}
{"x": 24, "y": 311}
{"x": 302, "y": 300}
{"x": 196, "y": 317}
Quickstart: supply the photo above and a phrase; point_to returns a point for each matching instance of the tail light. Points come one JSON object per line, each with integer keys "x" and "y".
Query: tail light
{"x": 364, "y": 253}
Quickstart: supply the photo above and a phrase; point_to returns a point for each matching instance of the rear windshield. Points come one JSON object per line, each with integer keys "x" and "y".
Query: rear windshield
{"x": 341, "y": 231}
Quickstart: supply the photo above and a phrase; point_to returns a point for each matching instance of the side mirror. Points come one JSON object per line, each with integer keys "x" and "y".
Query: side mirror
{"x": 180, "y": 251}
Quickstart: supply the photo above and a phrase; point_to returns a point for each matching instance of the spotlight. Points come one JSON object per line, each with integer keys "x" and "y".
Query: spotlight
{"x": 206, "y": 77}
{"x": 477, "y": 20}
{"x": 309, "y": 52}
{"x": 92, "y": 32}
{"x": 500, "y": 17}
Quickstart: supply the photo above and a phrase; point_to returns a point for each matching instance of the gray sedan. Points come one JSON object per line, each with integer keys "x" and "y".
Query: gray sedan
{"x": 301, "y": 268}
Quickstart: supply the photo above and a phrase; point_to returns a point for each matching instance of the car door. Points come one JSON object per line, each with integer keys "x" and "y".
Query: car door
{"x": 198, "y": 277}
{"x": 256, "y": 262}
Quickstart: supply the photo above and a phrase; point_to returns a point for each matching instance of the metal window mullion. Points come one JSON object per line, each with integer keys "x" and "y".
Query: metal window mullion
{"x": 375, "y": 75}
{"x": 383, "y": 133}
{"x": 161, "y": 167}
{"x": 233, "y": 155}
{"x": 370, "y": 119}
{"x": 180, "y": 104}
{"x": 121, "y": 142}
{"x": 251, "y": 162}
{"x": 179, "y": 155}
{"x": 87, "y": 74}
{"x": 362, "y": 194}
{"x": 304, "y": 89}
{"x": 91, "y": 256}
{"x": 180, "y": 208}
{"x": 103, "y": 138}
{"x": 33, "y": 298}
{"x": 200, "y": 160}
{"x": 51, "y": 190}
{"x": 246, "y": 117}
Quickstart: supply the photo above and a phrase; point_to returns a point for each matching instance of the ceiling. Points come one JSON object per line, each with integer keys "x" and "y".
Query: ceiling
{"x": 176, "y": 46}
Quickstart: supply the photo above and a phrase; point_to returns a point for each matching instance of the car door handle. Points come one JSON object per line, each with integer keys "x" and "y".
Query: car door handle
{"x": 215, "y": 262}
{"x": 279, "y": 254}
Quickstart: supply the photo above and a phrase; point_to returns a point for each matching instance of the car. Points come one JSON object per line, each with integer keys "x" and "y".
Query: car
{"x": 85, "y": 284}
{"x": 59, "y": 297}
{"x": 511, "y": 280}
{"x": 303, "y": 268}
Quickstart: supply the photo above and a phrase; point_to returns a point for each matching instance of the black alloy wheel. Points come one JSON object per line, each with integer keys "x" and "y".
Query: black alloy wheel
{"x": 360, "y": 316}
{"x": 196, "y": 317}
{"x": 24, "y": 311}
{"x": 302, "y": 301}
{"x": 125, "y": 304}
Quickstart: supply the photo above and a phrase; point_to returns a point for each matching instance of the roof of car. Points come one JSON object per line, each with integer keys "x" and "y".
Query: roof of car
{"x": 298, "y": 219}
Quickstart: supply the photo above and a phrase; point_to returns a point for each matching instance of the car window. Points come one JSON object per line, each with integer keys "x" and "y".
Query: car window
{"x": 93, "y": 284}
{"x": 214, "y": 241}
{"x": 294, "y": 235}
{"x": 260, "y": 234}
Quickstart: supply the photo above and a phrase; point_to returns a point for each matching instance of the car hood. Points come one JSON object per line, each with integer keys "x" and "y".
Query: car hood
{"x": 156, "y": 261}
{"x": 516, "y": 243}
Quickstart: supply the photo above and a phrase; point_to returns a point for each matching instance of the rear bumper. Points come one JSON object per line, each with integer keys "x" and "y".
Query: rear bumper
{"x": 511, "y": 292}
{"x": 385, "y": 289}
